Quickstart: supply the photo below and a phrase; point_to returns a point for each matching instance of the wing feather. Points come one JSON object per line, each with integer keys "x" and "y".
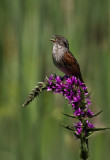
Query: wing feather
{"x": 72, "y": 65}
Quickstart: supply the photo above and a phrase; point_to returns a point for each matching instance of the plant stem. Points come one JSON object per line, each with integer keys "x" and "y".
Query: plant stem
{"x": 84, "y": 148}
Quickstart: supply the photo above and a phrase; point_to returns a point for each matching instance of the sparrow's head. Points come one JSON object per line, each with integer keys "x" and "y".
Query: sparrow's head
{"x": 60, "y": 40}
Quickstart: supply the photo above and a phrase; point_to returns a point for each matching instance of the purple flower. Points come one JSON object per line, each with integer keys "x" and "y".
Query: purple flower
{"x": 51, "y": 77}
{"x": 89, "y": 125}
{"x": 78, "y": 128}
{"x": 78, "y": 112}
{"x": 48, "y": 89}
{"x": 89, "y": 113}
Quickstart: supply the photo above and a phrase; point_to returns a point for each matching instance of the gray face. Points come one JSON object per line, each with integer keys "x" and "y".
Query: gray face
{"x": 61, "y": 41}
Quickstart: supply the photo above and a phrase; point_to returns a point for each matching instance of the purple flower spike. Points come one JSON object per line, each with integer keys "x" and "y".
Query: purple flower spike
{"x": 71, "y": 87}
{"x": 76, "y": 93}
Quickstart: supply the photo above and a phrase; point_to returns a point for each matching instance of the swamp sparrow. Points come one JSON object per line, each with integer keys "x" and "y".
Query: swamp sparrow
{"x": 63, "y": 58}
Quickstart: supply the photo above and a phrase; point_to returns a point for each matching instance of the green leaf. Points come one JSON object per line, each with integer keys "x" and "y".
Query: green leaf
{"x": 67, "y": 127}
{"x": 96, "y": 114}
{"x": 98, "y": 129}
{"x": 68, "y": 115}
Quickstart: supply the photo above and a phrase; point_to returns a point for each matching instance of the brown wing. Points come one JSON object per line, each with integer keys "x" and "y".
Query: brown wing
{"x": 72, "y": 65}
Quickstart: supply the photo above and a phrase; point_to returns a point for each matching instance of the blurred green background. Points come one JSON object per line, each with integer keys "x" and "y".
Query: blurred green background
{"x": 34, "y": 133}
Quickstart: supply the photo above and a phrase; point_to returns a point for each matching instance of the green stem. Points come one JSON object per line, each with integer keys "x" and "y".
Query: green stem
{"x": 84, "y": 149}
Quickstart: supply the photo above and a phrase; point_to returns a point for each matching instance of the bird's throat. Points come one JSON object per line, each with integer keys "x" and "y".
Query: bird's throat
{"x": 58, "y": 52}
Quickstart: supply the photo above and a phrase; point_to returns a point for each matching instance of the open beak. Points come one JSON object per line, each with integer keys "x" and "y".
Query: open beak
{"x": 53, "y": 39}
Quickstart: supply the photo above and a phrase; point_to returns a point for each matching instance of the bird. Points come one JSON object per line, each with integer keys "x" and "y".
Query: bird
{"x": 63, "y": 58}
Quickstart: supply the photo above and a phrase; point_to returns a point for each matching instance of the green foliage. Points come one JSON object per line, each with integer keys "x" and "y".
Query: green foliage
{"x": 25, "y": 58}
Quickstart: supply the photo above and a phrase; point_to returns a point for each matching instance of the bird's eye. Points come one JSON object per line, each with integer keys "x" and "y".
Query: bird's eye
{"x": 65, "y": 44}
